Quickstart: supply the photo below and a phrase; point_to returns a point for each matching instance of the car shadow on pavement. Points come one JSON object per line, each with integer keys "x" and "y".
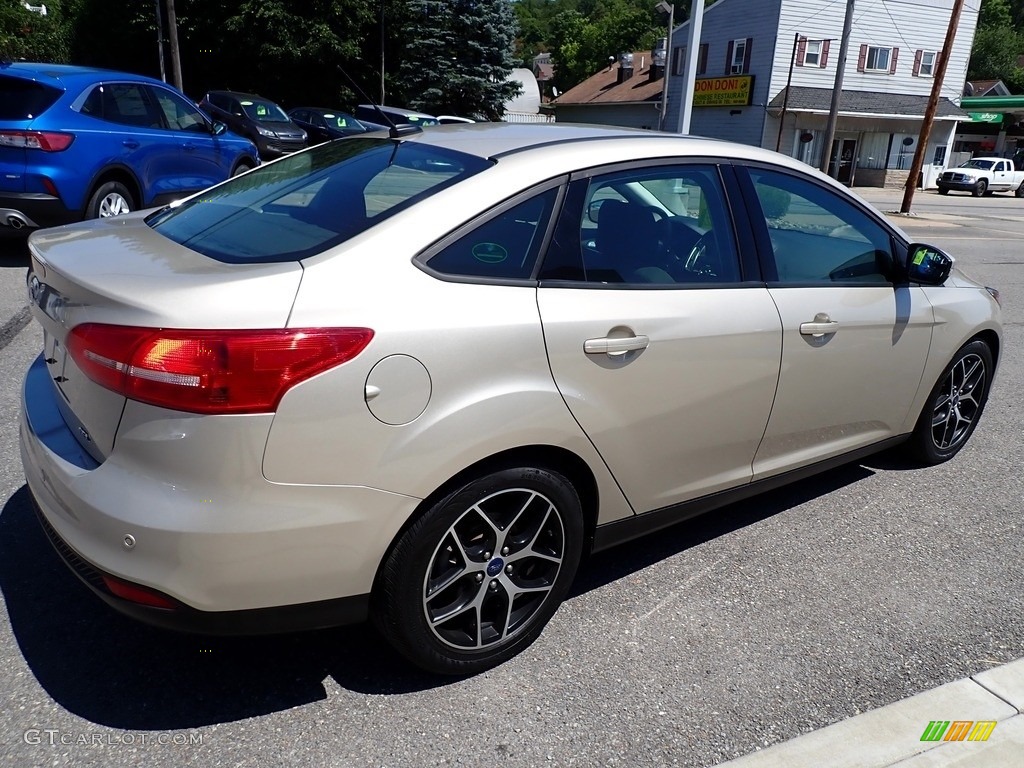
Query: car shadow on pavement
{"x": 614, "y": 564}
{"x": 13, "y": 252}
{"x": 117, "y": 672}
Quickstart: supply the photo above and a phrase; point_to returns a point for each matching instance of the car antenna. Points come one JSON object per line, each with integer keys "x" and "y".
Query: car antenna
{"x": 396, "y": 131}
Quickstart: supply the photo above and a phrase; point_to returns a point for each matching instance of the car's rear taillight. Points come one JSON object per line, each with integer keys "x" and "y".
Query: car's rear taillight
{"x": 215, "y": 371}
{"x": 48, "y": 141}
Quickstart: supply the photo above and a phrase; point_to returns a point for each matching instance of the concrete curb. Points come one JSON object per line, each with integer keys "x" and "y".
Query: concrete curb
{"x": 891, "y": 735}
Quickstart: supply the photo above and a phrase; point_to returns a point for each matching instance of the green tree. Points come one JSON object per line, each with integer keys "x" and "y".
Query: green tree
{"x": 458, "y": 55}
{"x": 998, "y": 45}
{"x": 31, "y": 36}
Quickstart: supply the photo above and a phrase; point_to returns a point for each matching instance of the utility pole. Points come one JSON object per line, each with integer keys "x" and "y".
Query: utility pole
{"x": 172, "y": 23}
{"x": 160, "y": 40}
{"x": 933, "y": 105}
{"x": 789, "y": 85}
{"x": 690, "y": 72}
{"x": 837, "y": 89}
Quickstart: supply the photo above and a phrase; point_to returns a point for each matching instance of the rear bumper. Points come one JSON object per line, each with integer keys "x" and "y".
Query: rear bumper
{"x": 33, "y": 210}
{"x": 261, "y": 558}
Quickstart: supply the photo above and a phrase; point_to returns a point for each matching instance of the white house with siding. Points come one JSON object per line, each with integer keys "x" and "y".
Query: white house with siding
{"x": 751, "y": 49}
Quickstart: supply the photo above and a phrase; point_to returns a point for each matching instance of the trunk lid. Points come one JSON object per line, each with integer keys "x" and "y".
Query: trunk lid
{"x": 120, "y": 272}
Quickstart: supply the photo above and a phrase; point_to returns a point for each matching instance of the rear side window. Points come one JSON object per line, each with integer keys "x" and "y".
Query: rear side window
{"x": 505, "y": 247}
{"x": 310, "y": 201}
{"x": 24, "y": 99}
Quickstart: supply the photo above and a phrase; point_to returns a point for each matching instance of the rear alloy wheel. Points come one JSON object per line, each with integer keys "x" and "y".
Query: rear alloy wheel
{"x": 954, "y": 405}
{"x": 980, "y": 188}
{"x": 110, "y": 199}
{"x": 474, "y": 580}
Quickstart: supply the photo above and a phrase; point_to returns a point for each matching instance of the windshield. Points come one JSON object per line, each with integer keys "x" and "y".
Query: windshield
{"x": 983, "y": 165}
{"x": 307, "y": 202}
{"x": 264, "y": 111}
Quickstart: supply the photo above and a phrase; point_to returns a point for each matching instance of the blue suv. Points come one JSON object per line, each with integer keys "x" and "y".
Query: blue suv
{"x": 80, "y": 143}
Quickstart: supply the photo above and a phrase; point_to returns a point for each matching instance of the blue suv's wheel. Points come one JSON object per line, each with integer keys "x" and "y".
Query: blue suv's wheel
{"x": 110, "y": 199}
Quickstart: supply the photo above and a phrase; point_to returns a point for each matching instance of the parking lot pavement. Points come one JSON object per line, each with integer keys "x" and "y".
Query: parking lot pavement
{"x": 980, "y": 725}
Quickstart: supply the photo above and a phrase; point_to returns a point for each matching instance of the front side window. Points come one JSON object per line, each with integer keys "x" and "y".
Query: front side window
{"x": 179, "y": 114}
{"x": 505, "y": 247}
{"x": 658, "y": 225}
{"x": 313, "y": 200}
{"x": 816, "y": 236}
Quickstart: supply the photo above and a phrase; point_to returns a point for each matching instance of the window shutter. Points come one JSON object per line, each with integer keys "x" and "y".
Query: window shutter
{"x": 702, "y": 59}
{"x": 728, "y": 59}
{"x": 678, "y": 56}
{"x": 746, "y": 54}
{"x": 892, "y": 66}
{"x": 801, "y": 51}
{"x": 823, "y": 59}
{"x": 862, "y": 58}
{"x": 917, "y": 62}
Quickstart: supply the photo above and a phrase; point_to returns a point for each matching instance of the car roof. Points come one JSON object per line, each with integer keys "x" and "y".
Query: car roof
{"x": 243, "y": 95}
{"x": 65, "y": 75}
{"x": 555, "y": 140}
{"x": 399, "y": 110}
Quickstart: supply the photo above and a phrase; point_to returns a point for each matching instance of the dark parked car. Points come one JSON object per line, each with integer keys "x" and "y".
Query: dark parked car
{"x": 397, "y": 115}
{"x": 258, "y": 119}
{"x": 78, "y": 142}
{"x": 325, "y": 124}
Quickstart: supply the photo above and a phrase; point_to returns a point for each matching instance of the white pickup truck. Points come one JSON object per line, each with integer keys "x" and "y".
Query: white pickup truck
{"x": 983, "y": 176}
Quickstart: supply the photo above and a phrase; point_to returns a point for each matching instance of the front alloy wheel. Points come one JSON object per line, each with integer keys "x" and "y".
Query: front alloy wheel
{"x": 955, "y": 404}
{"x": 475, "y": 580}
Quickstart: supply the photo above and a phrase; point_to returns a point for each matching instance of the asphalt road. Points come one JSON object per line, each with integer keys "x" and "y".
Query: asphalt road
{"x": 744, "y": 628}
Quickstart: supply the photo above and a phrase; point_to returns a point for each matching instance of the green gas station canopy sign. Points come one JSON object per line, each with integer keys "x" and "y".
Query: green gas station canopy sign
{"x": 985, "y": 117}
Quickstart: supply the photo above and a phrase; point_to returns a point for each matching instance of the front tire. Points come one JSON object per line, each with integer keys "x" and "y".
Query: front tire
{"x": 954, "y": 406}
{"x": 474, "y": 580}
{"x": 980, "y": 188}
{"x": 242, "y": 167}
{"x": 110, "y": 199}
{"x": 943, "y": 191}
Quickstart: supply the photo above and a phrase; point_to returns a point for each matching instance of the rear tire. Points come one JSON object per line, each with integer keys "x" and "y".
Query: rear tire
{"x": 474, "y": 580}
{"x": 1019, "y": 191}
{"x": 110, "y": 199}
{"x": 954, "y": 406}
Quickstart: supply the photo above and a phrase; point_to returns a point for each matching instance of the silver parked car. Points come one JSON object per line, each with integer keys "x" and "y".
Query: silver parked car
{"x": 418, "y": 378}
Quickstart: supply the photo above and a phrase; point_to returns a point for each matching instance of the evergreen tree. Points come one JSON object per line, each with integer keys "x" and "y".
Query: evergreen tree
{"x": 458, "y": 56}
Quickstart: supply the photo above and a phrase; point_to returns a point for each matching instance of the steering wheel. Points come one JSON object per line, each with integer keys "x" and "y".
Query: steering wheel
{"x": 696, "y": 262}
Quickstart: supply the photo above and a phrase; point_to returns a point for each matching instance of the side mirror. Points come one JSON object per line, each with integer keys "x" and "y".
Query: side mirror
{"x": 928, "y": 265}
{"x": 594, "y": 210}
{"x": 218, "y": 128}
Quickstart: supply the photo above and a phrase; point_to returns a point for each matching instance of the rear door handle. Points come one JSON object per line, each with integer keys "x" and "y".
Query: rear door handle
{"x": 820, "y": 326}
{"x": 615, "y": 347}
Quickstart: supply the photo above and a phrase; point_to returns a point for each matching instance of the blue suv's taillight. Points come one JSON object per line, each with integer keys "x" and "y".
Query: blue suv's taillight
{"x": 47, "y": 141}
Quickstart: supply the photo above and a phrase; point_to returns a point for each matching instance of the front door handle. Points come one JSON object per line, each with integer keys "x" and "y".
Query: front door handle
{"x": 820, "y": 326}
{"x": 131, "y": 143}
{"x": 615, "y": 347}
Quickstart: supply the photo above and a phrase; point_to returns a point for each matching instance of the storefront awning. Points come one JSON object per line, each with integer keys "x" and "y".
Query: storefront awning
{"x": 993, "y": 103}
{"x": 864, "y": 104}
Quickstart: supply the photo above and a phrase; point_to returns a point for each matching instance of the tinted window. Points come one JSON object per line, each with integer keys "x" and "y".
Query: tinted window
{"x": 263, "y": 111}
{"x": 307, "y": 202}
{"x": 816, "y": 236}
{"x": 126, "y": 103}
{"x": 179, "y": 114}
{"x": 24, "y": 99}
{"x": 504, "y": 247}
{"x": 665, "y": 225}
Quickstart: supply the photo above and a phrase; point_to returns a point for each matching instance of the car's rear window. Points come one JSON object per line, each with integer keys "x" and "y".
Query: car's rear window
{"x": 310, "y": 201}
{"x": 24, "y": 99}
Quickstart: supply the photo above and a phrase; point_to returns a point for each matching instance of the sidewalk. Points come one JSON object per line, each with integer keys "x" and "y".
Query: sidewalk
{"x": 892, "y": 735}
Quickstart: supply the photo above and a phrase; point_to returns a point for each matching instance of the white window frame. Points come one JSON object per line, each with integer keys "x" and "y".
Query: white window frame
{"x": 739, "y": 55}
{"x": 876, "y": 49}
{"x": 818, "y": 46}
{"x": 928, "y": 60}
